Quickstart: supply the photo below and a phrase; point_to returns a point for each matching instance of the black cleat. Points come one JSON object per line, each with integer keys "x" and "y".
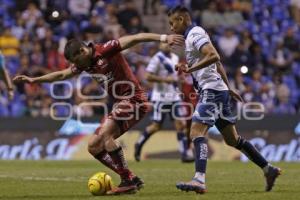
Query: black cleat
{"x": 139, "y": 183}
{"x": 125, "y": 187}
{"x": 271, "y": 175}
{"x": 137, "y": 152}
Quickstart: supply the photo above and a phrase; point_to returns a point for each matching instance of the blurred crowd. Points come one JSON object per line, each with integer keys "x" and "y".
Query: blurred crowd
{"x": 258, "y": 41}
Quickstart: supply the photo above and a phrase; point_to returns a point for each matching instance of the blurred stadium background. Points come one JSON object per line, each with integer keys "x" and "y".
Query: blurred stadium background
{"x": 263, "y": 36}
{"x": 258, "y": 41}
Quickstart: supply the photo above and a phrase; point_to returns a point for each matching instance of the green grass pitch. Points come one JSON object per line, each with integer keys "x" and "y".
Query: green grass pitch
{"x": 35, "y": 180}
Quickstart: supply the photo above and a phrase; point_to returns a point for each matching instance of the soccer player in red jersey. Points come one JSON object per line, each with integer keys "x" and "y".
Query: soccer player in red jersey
{"x": 109, "y": 67}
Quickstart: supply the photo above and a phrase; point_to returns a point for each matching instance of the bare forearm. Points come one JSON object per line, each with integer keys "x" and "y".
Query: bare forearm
{"x": 205, "y": 62}
{"x": 147, "y": 37}
{"x": 222, "y": 72}
{"x": 210, "y": 56}
{"x": 131, "y": 40}
{"x": 52, "y": 77}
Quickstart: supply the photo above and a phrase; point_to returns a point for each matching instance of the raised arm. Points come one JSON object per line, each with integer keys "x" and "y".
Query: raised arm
{"x": 131, "y": 40}
{"x": 52, "y": 77}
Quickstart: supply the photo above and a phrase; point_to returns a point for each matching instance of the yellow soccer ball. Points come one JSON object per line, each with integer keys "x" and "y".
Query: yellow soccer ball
{"x": 100, "y": 183}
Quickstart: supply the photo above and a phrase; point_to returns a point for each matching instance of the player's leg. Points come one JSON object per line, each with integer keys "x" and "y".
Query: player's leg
{"x": 198, "y": 136}
{"x": 102, "y": 146}
{"x": 178, "y": 115}
{"x": 232, "y": 138}
{"x": 147, "y": 133}
{"x": 227, "y": 128}
{"x": 157, "y": 120}
{"x": 183, "y": 141}
{"x": 190, "y": 151}
{"x": 125, "y": 120}
{"x": 203, "y": 118}
{"x": 96, "y": 148}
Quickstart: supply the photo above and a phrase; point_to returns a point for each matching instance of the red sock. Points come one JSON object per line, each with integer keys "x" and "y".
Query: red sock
{"x": 106, "y": 160}
{"x": 119, "y": 160}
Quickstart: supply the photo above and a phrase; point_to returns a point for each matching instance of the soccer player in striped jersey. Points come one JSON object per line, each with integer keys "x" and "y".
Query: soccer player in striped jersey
{"x": 166, "y": 100}
{"x": 213, "y": 108}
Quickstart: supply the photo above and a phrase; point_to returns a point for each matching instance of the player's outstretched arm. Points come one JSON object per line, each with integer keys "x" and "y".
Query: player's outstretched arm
{"x": 131, "y": 40}
{"x": 54, "y": 76}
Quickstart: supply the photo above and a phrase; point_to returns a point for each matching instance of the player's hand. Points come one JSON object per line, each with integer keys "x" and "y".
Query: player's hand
{"x": 11, "y": 94}
{"x": 182, "y": 67}
{"x": 175, "y": 40}
{"x": 23, "y": 78}
{"x": 236, "y": 96}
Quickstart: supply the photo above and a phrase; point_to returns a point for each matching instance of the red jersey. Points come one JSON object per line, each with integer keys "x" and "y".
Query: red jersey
{"x": 113, "y": 70}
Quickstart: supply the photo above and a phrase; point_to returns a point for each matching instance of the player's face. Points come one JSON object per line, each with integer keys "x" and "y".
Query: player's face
{"x": 82, "y": 58}
{"x": 176, "y": 22}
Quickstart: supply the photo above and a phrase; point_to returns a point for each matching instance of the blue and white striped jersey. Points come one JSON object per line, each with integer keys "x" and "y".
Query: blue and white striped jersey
{"x": 208, "y": 77}
{"x": 163, "y": 66}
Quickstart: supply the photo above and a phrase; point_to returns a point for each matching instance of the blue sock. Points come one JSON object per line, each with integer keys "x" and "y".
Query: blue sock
{"x": 143, "y": 138}
{"x": 201, "y": 151}
{"x": 183, "y": 143}
{"x": 251, "y": 152}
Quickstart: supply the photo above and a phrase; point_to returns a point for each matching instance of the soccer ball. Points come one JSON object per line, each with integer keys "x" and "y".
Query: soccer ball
{"x": 100, "y": 183}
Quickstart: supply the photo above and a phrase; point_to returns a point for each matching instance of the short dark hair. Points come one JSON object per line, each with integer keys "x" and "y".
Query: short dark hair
{"x": 178, "y": 9}
{"x": 72, "y": 48}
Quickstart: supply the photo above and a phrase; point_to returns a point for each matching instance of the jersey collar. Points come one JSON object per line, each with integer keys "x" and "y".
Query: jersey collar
{"x": 189, "y": 28}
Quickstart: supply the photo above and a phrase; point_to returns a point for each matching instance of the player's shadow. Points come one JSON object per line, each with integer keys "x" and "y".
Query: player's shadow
{"x": 71, "y": 196}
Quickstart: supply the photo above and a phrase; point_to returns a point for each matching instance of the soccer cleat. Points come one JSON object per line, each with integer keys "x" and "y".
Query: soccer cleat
{"x": 139, "y": 183}
{"x": 125, "y": 187}
{"x": 271, "y": 175}
{"x": 194, "y": 185}
{"x": 137, "y": 152}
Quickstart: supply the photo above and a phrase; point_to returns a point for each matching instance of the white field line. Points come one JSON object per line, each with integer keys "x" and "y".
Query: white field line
{"x": 34, "y": 178}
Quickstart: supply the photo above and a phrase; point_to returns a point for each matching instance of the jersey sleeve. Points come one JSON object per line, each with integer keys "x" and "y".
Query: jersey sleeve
{"x": 110, "y": 48}
{"x": 199, "y": 38}
{"x": 153, "y": 65}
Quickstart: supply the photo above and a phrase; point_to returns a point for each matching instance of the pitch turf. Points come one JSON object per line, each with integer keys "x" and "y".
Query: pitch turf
{"x": 35, "y": 180}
